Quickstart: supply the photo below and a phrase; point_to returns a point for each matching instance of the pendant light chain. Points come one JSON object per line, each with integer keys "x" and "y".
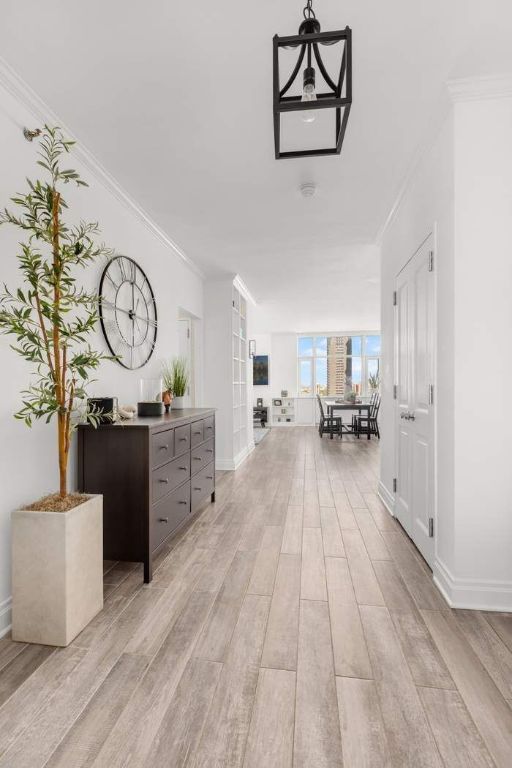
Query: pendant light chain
{"x": 308, "y": 9}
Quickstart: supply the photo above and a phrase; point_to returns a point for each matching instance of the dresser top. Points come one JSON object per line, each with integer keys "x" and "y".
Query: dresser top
{"x": 172, "y": 419}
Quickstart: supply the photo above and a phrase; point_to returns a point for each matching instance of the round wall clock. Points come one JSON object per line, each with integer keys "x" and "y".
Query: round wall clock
{"x": 127, "y": 311}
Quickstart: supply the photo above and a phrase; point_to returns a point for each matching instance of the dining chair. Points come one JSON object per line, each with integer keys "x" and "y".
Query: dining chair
{"x": 369, "y": 424}
{"x": 355, "y": 416}
{"x": 333, "y": 425}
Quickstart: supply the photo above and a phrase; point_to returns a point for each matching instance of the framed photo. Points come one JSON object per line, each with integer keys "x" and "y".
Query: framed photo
{"x": 277, "y": 401}
{"x": 260, "y": 370}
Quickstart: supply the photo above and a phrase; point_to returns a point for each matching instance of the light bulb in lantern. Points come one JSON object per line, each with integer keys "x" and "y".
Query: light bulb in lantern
{"x": 308, "y": 93}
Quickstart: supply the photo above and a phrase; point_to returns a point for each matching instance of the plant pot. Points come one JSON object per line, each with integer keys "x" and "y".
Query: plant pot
{"x": 57, "y": 572}
{"x": 178, "y": 403}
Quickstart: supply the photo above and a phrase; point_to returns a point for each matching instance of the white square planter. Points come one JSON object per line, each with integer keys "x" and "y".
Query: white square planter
{"x": 57, "y": 572}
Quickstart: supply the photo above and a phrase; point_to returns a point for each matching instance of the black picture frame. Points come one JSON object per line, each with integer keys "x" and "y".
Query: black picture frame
{"x": 260, "y": 371}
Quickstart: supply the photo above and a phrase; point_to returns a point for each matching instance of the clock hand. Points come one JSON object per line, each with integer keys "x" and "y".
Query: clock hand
{"x": 129, "y": 313}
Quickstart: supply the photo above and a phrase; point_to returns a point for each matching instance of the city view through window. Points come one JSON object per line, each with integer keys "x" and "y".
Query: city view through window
{"x": 338, "y": 365}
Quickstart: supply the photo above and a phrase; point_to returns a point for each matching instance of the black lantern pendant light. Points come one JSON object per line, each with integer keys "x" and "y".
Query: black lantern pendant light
{"x": 308, "y": 74}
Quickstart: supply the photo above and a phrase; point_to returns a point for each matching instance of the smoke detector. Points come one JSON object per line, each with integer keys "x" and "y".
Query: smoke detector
{"x": 308, "y": 189}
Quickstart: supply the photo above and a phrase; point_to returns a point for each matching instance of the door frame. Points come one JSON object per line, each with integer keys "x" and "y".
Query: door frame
{"x": 432, "y": 233}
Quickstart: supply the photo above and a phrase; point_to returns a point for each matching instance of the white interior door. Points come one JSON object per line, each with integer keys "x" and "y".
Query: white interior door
{"x": 415, "y": 339}
{"x": 185, "y": 350}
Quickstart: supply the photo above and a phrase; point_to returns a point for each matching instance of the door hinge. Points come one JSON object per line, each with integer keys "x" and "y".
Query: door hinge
{"x": 395, "y": 391}
{"x": 431, "y": 394}
{"x": 394, "y": 299}
{"x": 431, "y": 527}
{"x": 395, "y": 485}
{"x": 431, "y": 261}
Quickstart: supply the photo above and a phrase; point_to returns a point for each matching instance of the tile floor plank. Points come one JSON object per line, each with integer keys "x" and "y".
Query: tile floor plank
{"x": 456, "y": 735}
{"x": 265, "y": 567}
{"x": 292, "y": 535}
{"x": 183, "y": 722}
{"x": 317, "y": 740}
{"x": 408, "y": 733}
{"x": 270, "y": 741}
{"x": 227, "y": 726}
{"x": 366, "y": 586}
{"x": 489, "y": 710}
{"x": 362, "y": 731}
{"x": 313, "y": 586}
{"x": 281, "y": 639}
{"x": 331, "y": 534}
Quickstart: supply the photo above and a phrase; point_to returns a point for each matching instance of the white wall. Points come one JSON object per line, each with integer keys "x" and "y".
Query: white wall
{"x": 282, "y": 351}
{"x": 483, "y": 333}
{"x": 427, "y": 207}
{"x": 462, "y": 190}
{"x": 28, "y": 461}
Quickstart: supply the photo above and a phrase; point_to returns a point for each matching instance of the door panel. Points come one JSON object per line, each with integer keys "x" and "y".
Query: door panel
{"x": 414, "y": 412}
{"x": 403, "y": 335}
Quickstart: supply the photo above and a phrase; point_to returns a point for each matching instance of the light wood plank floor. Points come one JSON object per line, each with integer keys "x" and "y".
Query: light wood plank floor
{"x": 292, "y": 625}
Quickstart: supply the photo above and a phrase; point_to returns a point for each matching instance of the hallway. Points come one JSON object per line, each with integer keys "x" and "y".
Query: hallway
{"x": 293, "y": 624}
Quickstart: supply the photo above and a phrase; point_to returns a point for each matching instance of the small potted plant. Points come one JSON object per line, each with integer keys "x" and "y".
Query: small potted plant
{"x": 373, "y": 382}
{"x": 176, "y": 380}
{"x": 57, "y": 542}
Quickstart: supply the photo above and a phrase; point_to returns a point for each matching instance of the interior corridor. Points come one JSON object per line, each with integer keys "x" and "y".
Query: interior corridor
{"x": 292, "y": 624}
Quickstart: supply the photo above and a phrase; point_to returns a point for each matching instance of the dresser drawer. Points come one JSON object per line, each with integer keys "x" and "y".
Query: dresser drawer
{"x": 168, "y": 513}
{"x": 162, "y": 447}
{"x": 202, "y": 485}
{"x": 181, "y": 439}
{"x": 209, "y": 427}
{"x": 197, "y": 435}
{"x": 201, "y": 456}
{"x": 165, "y": 478}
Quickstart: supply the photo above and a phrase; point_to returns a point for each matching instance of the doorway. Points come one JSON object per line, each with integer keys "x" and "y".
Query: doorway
{"x": 186, "y": 351}
{"x": 414, "y": 412}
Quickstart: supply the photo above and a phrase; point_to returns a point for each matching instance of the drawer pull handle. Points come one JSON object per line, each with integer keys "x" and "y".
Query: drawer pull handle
{"x": 197, "y": 489}
{"x": 197, "y": 433}
{"x": 163, "y": 480}
{"x": 183, "y": 439}
{"x": 197, "y": 458}
{"x": 163, "y": 519}
{"x": 209, "y": 427}
{"x": 209, "y": 450}
{"x": 209, "y": 477}
{"x": 163, "y": 448}
{"x": 184, "y": 469}
{"x": 183, "y": 502}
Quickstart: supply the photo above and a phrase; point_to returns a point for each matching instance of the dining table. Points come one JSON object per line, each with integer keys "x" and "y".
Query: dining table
{"x": 347, "y": 405}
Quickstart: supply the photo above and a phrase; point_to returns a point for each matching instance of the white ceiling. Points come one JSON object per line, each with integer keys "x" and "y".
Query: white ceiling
{"x": 175, "y": 100}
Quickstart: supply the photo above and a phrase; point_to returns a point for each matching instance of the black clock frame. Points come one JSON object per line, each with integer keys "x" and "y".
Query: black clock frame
{"x": 102, "y": 279}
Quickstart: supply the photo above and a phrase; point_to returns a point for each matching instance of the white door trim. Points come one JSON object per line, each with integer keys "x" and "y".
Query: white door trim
{"x": 433, "y": 235}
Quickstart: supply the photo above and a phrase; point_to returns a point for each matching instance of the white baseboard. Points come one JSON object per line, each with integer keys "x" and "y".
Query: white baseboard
{"x": 229, "y": 465}
{"x": 387, "y": 498}
{"x": 5, "y": 616}
{"x": 487, "y": 595}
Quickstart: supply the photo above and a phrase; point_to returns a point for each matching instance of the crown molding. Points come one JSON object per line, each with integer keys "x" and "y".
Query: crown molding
{"x": 439, "y": 116}
{"x": 481, "y": 87}
{"x": 458, "y": 90}
{"x": 42, "y": 113}
{"x": 239, "y": 283}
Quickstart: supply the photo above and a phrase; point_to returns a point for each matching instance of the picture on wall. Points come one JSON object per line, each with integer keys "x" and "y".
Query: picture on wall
{"x": 260, "y": 370}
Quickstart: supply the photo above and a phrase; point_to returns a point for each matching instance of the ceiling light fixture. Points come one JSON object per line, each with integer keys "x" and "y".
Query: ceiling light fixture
{"x": 308, "y": 189}
{"x": 338, "y": 95}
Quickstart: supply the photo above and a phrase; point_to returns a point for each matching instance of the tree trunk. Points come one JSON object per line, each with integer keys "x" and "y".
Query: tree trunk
{"x": 58, "y": 354}
{"x": 63, "y": 455}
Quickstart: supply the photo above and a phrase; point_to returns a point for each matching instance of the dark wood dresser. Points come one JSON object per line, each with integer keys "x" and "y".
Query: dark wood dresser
{"x": 153, "y": 473}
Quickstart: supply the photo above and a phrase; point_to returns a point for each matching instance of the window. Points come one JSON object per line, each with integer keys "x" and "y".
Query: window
{"x": 337, "y": 365}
